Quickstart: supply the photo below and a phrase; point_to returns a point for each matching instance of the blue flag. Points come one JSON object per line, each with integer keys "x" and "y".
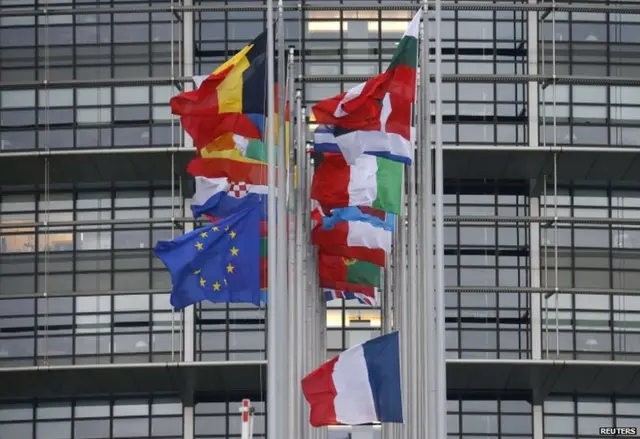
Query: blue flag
{"x": 218, "y": 262}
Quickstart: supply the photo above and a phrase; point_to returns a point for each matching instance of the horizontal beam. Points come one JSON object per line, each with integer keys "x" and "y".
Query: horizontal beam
{"x": 482, "y": 219}
{"x": 457, "y": 77}
{"x": 548, "y": 292}
{"x": 205, "y": 381}
{"x": 354, "y": 6}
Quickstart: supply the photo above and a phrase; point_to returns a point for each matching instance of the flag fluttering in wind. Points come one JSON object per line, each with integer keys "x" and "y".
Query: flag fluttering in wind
{"x": 375, "y": 117}
{"x": 369, "y": 298}
{"x": 341, "y": 273}
{"x": 363, "y": 239}
{"x": 370, "y": 181}
{"x": 359, "y": 386}
{"x": 217, "y": 262}
{"x": 220, "y": 198}
{"x": 231, "y": 99}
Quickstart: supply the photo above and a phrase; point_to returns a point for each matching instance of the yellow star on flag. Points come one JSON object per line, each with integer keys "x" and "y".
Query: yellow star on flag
{"x": 232, "y": 234}
{"x": 230, "y": 268}
{"x": 199, "y": 246}
{"x": 216, "y": 286}
{"x": 216, "y": 229}
{"x": 202, "y": 282}
{"x": 234, "y": 251}
{"x": 204, "y": 234}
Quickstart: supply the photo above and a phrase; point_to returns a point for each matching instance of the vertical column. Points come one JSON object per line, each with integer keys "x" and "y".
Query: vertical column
{"x": 189, "y": 312}
{"x": 534, "y": 207}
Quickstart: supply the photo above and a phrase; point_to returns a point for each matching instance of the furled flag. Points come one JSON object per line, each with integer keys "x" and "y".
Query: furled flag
{"x": 370, "y": 181}
{"x": 340, "y": 273}
{"x": 359, "y": 386}
{"x": 369, "y": 298}
{"x": 220, "y": 198}
{"x": 217, "y": 262}
{"x": 374, "y": 117}
{"x": 352, "y": 239}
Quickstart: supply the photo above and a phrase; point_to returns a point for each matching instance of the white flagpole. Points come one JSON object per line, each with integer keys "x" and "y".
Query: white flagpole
{"x": 400, "y": 298}
{"x": 294, "y": 267}
{"x": 429, "y": 354}
{"x": 281, "y": 225}
{"x": 441, "y": 371}
{"x": 300, "y": 290}
{"x": 308, "y": 330}
{"x": 388, "y": 430}
{"x": 275, "y": 311}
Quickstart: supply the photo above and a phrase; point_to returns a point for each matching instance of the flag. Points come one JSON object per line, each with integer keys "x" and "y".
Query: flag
{"x": 374, "y": 117}
{"x": 359, "y": 386}
{"x": 221, "y": 198}
{"x": 338, "y": 271}
{"x": 253, "y": 149}
{"x": 217, "y": 262}
{"x": 375, "y": 217}
{"x": 353, "y": 239}
{"x": 362, "y": 298}
{"x": 370, "y": 181}
{"x": 263, "y": 252}
{"x": 232, "y": 165}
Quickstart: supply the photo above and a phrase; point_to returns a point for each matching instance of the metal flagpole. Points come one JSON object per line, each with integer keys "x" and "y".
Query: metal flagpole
{"x": 388, "y": 430}
{"x": 294, "y": 267}
{"x": 426, "y": 247}
{"x": 305, "y": 173}
{"x": 281, "y": 225}
{"x": 440, "y": 357}
{"x": 400, "y": 297}
{"x": 412, "y": 302}
{"x": 300, "y": 291}
{"x": 275, "y": 311}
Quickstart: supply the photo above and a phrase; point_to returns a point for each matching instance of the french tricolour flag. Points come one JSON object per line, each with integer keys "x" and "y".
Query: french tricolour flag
{"x": 359, "y": 386}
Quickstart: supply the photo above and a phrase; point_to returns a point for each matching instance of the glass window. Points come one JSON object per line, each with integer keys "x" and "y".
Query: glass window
{"x": 53, "y": 430}
{"x": 93, "y": 96}
{"x": 131, "y": 95}
{"x": 58, "y": 97}
{"x": 129, "y": 428}
{"x": 17, "y": 98}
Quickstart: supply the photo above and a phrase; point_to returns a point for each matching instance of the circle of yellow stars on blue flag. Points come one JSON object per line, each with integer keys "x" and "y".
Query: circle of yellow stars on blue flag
{"x": 234, "y": 251}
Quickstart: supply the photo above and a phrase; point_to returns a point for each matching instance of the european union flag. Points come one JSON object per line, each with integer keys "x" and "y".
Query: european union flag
{"x": 219, "y": 262}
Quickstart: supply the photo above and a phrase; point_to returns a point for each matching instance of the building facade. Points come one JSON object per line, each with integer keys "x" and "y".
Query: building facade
{"x": 91, "y": 176}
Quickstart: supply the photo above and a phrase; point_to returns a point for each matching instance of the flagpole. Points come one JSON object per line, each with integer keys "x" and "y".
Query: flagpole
{"x": 400, "y": 297}
{"x": 275, "y": 311}
{"x": 281, "y": 225}
{"x": 441, "y": 371}
{"x": 387, "y": 326}
{"x": 412, "y": 301}
{"x": 294, "y": 268}
{"x": 426, "y": 247}
{"x": 300, "y": 271}
{"x": 307, "y": 430}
